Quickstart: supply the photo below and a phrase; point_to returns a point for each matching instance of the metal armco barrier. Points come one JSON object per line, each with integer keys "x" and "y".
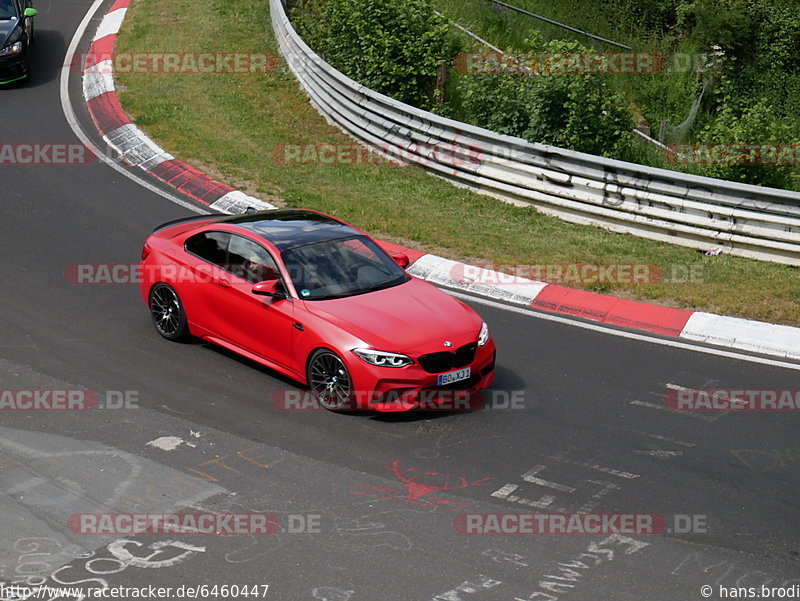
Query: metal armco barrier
{"x": 698, "y": 212}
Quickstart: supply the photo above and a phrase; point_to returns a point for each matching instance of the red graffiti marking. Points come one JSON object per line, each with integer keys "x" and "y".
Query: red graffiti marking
{"x": 419, "y": 492}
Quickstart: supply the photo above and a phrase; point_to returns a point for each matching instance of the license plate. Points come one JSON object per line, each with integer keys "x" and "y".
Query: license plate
{"x": 454, "y": 376}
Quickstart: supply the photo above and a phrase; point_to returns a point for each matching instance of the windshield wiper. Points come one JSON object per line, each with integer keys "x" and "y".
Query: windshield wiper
{"x": 381, "y": 286}
{"x": 360, "y": 291}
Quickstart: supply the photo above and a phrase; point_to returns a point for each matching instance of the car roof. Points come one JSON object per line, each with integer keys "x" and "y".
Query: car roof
{"x": 289, "y": 228}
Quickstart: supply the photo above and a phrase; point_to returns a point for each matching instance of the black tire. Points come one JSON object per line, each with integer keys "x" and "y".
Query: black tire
{"x": 330, "y": 381}
{"x": 168, "y": 313}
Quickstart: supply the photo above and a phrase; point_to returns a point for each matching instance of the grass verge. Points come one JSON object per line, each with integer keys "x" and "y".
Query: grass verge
{"x": 234, "y": 125}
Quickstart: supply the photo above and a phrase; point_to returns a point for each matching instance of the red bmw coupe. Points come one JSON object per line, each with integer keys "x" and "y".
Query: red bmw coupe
{"x": 319, "y": 301}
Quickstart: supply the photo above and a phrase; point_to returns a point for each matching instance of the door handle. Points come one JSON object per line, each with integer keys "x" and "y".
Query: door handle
{"x": 223, "y": 282}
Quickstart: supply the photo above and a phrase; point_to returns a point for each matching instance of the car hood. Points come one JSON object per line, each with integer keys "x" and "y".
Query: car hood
{"x": 412, "y": 315}
{"x": 6, "y": 27}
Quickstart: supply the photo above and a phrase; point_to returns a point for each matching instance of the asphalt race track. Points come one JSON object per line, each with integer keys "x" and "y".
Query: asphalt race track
{"x": 367, "y": 503}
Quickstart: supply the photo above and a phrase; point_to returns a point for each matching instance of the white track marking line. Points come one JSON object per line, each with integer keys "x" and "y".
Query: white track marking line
{"x": 503, "y": 492}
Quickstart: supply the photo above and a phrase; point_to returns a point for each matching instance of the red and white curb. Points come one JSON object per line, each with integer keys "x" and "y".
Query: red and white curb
{"x": 133, "y": 146}
{"x": 136, "y": 149}
{"x": 731, "y": 332}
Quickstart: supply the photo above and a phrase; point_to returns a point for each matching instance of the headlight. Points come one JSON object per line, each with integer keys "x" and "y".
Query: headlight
{"x": 483, "y": 337}
{"x": 382, "y": 358}
{"x": 14, "y": 48}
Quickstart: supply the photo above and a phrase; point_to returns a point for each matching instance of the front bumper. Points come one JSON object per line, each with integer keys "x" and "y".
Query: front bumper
{"x": 411, "y": 387}
{"x": 14, "y": 68}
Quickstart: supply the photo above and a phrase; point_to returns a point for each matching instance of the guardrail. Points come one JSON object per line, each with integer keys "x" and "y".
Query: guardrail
{"x": 699, "y": 212}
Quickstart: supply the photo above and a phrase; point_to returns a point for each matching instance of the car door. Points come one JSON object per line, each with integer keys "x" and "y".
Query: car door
{"x": 202, "y": 280}
{"x": 260, "y": 324}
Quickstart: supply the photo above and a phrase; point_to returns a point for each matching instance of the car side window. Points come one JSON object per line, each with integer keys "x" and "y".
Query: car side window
{"x": 251, "y": 261}
{"x": 210, "y": 246}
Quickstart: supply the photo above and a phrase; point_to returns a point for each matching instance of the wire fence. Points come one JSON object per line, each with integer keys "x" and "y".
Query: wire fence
{"x": 677, "y": 133}
{"x": 667, "y": 133}
{"x": 594, "y": 38}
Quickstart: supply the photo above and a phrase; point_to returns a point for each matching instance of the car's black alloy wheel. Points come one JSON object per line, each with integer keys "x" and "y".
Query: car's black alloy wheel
{"x": 330, "y": 381}
{"x": 168, "y": 314}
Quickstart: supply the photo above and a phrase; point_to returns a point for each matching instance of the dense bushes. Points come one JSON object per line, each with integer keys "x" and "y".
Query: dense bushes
{"x": 655, "y": 15}
{"x": 758, "y": 100}
{"x": 391, "y": 46}
{"x": 754, "y": 138}
{"x": 571, "y": 111}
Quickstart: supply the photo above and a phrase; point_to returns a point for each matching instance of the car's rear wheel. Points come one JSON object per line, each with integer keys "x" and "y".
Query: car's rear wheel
{"x": 168, "y": 313}
{"x": 330, "y": 381}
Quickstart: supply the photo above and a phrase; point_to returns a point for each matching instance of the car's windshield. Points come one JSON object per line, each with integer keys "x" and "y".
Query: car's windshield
{"x": 7, "y": 10}
{"x": 339, "y": 268}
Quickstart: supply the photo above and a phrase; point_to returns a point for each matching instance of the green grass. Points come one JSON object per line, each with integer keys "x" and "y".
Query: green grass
{"x": 231, "y": 124}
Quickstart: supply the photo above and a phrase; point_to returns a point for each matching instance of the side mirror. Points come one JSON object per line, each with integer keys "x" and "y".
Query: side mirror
{"x": 400, "y": 258}
{"x": 273, "y": 288}
{"x": 30, "y": 12}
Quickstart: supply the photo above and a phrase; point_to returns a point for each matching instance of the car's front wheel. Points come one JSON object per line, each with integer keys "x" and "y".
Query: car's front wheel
{"x": 330, "y": 381}
{"x": 168, "y": 313}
